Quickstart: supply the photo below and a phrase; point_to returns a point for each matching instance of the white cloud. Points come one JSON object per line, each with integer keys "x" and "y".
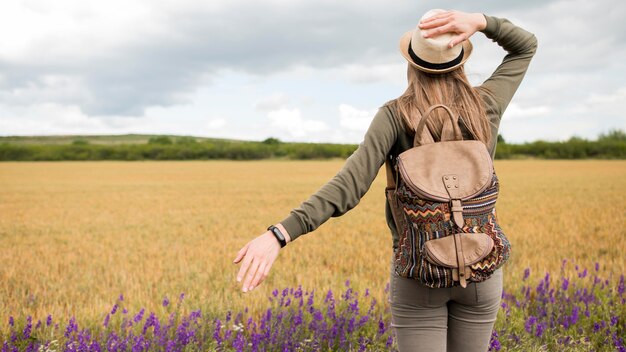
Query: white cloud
{"x": 515, "y": 111}
{"x": 216, "y": 124}
{"x": 618, "y": 96}
{"x": 71, "y": 30}
{"x": 271, "y": 102}
{"x": 354, "y": 119}
{"x": 47, "y": 118}
{"x": 290, "y": 122}
{"x": 48, "y": 88}
{"x": 374, "y": 73}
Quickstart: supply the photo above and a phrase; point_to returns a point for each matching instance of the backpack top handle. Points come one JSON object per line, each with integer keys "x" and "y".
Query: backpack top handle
{"x": 448, "y": 132}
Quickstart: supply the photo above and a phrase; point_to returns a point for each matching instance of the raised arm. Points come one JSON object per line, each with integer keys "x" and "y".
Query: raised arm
{"x": 342, "y": 193}
{"x": 521, "y": 46}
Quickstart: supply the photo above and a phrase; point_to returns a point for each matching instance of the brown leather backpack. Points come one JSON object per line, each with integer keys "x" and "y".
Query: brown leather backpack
{"x": 443, "y": 203}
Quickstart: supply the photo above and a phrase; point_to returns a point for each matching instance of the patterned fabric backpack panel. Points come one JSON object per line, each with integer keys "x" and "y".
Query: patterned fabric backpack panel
{"x": 426, "y": 220}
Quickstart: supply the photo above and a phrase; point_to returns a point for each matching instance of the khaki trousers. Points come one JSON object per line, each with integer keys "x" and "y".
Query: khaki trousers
{"x": 444, "y": 319}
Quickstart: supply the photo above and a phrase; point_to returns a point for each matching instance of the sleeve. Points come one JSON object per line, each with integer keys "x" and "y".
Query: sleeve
{"x": 499, "y": 88}
{"x": 344, "y": 191}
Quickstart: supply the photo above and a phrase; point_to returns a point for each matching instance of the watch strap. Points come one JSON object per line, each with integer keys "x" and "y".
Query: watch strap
{"x": 279, "y": 235}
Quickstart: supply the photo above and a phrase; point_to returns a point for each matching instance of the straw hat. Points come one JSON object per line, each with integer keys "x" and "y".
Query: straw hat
{"x": 432, "y": 54}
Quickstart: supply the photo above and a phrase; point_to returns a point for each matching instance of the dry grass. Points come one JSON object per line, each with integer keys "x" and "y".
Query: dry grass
{"x": 73, "y": 236}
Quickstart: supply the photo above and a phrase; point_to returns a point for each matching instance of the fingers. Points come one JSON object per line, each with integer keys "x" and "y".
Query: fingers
{"x": 258, "y": 256}
{"x": 437, "y": 17}
{"x": 247, "y": 260}
{"x": 251, "y": 273}
{"x": 259, "y": 276}
{"x": 432, "y": 23}
{"x": 439, "y": 30}
{"x": 457, "y": 39}
{"x": 241, "y": 253}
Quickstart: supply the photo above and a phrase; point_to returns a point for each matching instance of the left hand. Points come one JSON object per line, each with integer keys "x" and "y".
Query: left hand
{"x": 258, "y": 257}
{"x": 463, "y": 24}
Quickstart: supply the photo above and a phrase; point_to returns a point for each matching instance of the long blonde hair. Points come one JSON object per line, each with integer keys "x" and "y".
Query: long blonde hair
{"x": 452, "y": 89}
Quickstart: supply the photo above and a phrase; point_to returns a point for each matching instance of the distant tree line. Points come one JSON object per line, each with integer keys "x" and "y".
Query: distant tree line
{"x": 611, "y": 145}
{"x": 608, "y": 146}
{"x": 166, "y": 148}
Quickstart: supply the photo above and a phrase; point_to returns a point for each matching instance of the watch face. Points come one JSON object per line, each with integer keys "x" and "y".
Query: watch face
{"x": 279, "y": 235}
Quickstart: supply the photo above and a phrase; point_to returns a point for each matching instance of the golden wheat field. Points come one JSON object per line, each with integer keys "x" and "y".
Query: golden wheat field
{"x": 74, "y": 236}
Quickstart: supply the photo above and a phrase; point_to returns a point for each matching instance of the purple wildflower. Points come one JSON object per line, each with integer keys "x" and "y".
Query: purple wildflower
{"x": 381, "y": 326}
{"x": 574, "y": 316}
{"x": 166, "y": 301}
{"x": 216, "y": 333}
{"x": 494, "y": 343}
{"x": 530, "y": 322}
{"x": 309, "y": 301}
{"x": 28, "y": 327}
{"x": 11, "y": 321}
{"x": 541, "y": 327}
{"x": 526, "y": 274}
{"x": 71, "y": 327}
{"x": 139, "y": 316}
{"x": 565, "y": 284}
{"x": 614, "y": 320}
{"x": 329, "y": 296}
{"x": 49, "y": 320}
{"x": 114, "y": 309}
{"x": 389, "y": 342}
{"x": 597, "y": 326}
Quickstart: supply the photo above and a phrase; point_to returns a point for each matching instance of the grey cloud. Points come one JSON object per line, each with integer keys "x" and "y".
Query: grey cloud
{"x": 260, "y": 38}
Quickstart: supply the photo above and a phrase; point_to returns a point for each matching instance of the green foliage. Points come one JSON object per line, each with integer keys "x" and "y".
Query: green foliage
{"x": 186, "y": 140}
{"x": 162, "y": 140}
{"x": 80, "y": 142}
{"x": 271, "y": 141}
{"x": 613, "y": 135}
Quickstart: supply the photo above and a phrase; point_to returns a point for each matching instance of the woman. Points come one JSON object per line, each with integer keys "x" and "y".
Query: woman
{"x": 425, "y": 319}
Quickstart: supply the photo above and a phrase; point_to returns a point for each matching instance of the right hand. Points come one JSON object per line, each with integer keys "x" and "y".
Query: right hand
{"x": 258, "y": 255}
{"x": 463, "y": 24}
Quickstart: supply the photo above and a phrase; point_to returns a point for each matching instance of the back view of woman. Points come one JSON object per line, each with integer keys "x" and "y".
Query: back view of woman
{"x": 424, "y": 319}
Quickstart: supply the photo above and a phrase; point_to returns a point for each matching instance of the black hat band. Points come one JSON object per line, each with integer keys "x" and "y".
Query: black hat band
{"x": 433, "y": 66}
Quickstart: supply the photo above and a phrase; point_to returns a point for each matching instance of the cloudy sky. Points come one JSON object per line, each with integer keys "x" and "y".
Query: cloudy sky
{"x": 298, "y": 70}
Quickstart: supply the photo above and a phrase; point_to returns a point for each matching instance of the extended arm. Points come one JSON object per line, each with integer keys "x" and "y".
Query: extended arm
{"x": 342, "y": 193}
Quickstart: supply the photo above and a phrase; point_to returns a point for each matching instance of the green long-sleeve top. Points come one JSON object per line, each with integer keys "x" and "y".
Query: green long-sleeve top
{"x": 387, "y": 137}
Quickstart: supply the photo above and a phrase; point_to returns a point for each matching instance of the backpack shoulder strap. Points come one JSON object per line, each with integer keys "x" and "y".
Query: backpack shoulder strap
{"x": 391, "y": 183}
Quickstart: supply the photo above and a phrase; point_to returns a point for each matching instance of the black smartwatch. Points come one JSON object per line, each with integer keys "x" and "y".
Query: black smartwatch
{"x": 279, "y": 235}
